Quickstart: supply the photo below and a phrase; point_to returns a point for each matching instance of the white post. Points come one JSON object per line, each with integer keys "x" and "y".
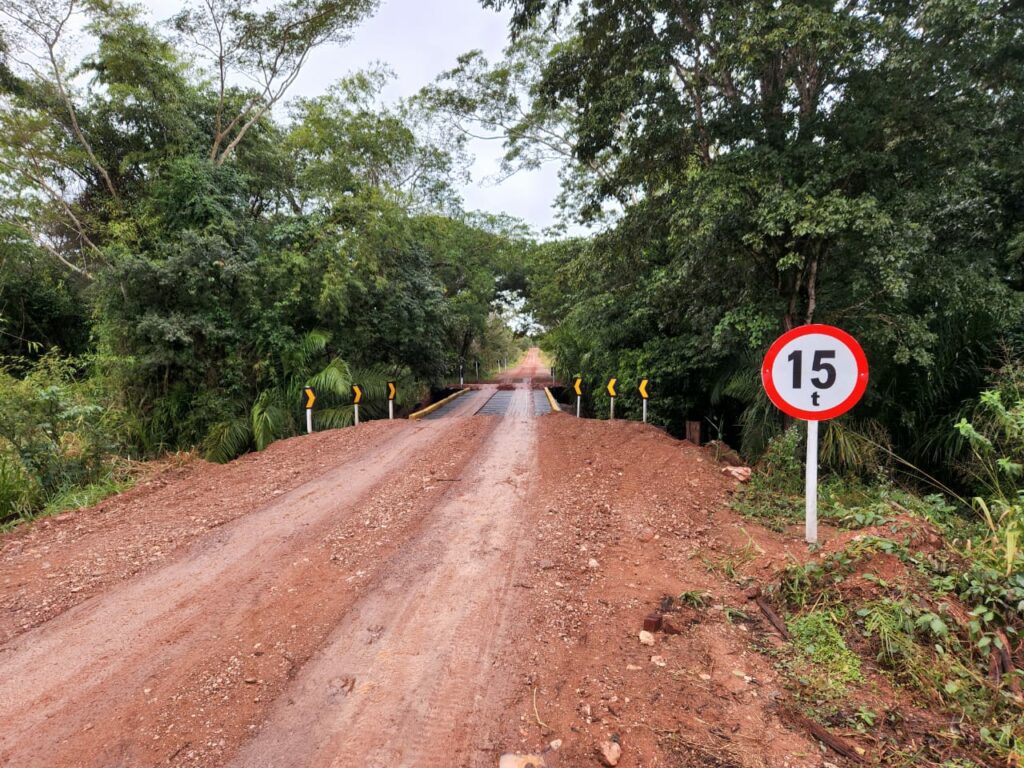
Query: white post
{"x": 356, "y": 406}
{"x": 477, "y": 362}
{"x": 462, "y": 381}
{"x": 578, "y": 398}
{"x": 391, "y": 409}
{"x": 309, "y": 421}
{"x": 612, "y": 415}
{"x": 812, "y": 483}
{"x": 645, "y": 411}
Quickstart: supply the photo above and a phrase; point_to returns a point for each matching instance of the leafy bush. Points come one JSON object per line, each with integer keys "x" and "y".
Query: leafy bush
{"x": 53, "y": 434}
{"x": 277, "y": 412}
{"x": 19, "y": 490}
{"x": 995, "y": 434}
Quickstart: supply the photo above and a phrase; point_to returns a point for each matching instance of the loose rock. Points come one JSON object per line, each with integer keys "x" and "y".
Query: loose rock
{"x": 646, "y": 638}
{"x": 742, "y": 474}
{"x": 610, "y": 752}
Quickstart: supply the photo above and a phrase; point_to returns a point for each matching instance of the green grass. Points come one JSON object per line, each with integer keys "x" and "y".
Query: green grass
{"x": 695, "y": 598}
{"x": 828, "y": 665}
{"x": 87, "y": 496}
{"x": 897, "y": 626}
{"x": 75, "y": 497}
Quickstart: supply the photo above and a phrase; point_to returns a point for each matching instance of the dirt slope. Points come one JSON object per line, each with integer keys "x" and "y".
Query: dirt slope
{"x": 626, "y": 516}
{"x": 405, "y": 594}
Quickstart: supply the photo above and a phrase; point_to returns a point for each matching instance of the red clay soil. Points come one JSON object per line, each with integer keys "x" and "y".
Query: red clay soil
{"x": 625, "y": 517}
{"x": 57, "y": 562}
{"x": 406, "y": 594}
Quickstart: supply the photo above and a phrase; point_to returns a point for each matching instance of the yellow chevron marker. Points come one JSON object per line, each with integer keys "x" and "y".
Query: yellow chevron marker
{"x": 611, "y": 387}
{"x": 357, "y": 394}
{"x": 578, "y": 387}
{"x": 310, "y": 394}
{"x": 392, "y": 390}
{"x": 643, "y": 388}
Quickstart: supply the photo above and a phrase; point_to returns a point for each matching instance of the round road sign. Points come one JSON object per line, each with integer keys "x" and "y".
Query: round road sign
{"x": 815, "y": 372}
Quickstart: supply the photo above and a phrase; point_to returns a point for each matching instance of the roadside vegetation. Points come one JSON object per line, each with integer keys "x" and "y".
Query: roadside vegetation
{"x": 908, "y": 626}
{"x": 181, "y": 251}
{"x": 748, "y": 168}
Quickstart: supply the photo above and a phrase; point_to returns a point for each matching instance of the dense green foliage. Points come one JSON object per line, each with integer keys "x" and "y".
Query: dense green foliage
{"x": 931, "y": 598}
{"x": 54, "y": 435}
{"x": 202, "y": 257}
{"x": 762, "y": 165}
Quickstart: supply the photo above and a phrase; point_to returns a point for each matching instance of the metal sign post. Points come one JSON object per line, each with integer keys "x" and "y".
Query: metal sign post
{"x": 462, "y": 381}
{"x": 357, "y": 396}
{"x": 611, "y": 397}
{"x": 392, "y": 392}
{"x": 644, "y": 395}
{"x": 811, "y": 484}
{"x": 310, "y": 394}
{"x": 814, "y": 373}
{"x": 578, "y": 388}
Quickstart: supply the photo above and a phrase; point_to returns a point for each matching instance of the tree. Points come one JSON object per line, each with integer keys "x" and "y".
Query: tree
{"x": 268, "y": 48}
{"x": 346, "y": 139}
{"x": 778, "y": 164}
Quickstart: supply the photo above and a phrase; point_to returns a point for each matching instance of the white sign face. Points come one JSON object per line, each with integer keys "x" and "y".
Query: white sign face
{"x": 815, "y": 372}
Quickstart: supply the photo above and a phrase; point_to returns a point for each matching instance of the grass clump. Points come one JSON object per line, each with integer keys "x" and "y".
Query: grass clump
{"x": 827, "y": 665}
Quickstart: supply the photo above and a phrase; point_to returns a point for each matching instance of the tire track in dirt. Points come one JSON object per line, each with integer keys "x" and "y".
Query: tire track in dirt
{"x": 179, "y": 664}
{"x": 413, "y": 696}
{"x": 53, "y": 564}
{"x": 625, "y": 517}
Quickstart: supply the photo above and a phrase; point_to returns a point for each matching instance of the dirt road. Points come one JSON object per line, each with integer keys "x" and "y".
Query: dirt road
{"x": 399, "y": 594}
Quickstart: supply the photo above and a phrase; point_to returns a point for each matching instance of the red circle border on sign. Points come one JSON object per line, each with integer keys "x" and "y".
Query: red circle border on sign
{"x": 825, "y": 330}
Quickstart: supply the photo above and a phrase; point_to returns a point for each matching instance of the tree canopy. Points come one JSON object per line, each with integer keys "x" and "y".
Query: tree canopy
{"x": 758, "y": 166}
{"x": 204, "y": 248}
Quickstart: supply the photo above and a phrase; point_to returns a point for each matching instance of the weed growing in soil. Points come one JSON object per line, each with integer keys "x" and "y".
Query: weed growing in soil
{"x": 730, "y": 564}
{"x": 916, "y": 618}
{"x": 775, "y": 494}
{"x": 828, "y": 666}
{"x": 695, "y": 598}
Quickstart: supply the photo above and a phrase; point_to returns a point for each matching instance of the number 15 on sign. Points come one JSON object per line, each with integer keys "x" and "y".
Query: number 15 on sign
{"x": 814, "y": 373}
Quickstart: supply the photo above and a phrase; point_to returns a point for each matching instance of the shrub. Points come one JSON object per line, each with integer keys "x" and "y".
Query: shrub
{"x": 995, "y": 434}
{"x": 53, "y": 435}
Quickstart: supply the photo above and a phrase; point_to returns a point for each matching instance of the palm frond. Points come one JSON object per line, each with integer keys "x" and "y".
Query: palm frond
{"x": 333, "y": 380}
{"x": 844, "y": 448}
{"x": 374, "y": 382}
{"x": 333, "y": 418}
{"x": 313, "y": 343}
{"x": 297, "y": 360}
{"x": 227, "y": 440}
{"x": 759, "y": 423}
{"x": 269, "y": 419}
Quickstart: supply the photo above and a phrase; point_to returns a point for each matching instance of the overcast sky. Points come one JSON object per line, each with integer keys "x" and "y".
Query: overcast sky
{"x": 419, "y": 39}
